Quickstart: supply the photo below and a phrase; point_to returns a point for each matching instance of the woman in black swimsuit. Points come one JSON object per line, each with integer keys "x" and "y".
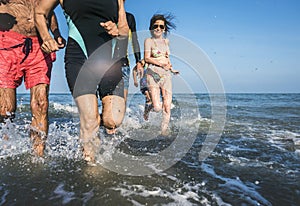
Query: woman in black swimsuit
{"x": 90, "y": 41}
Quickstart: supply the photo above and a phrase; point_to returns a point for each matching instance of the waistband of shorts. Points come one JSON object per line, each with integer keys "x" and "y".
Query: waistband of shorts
{"x": 17, "y": 36}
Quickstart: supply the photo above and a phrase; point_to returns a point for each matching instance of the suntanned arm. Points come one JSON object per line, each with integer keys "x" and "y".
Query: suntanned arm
{"x": 134, "y": 75}
{"x": 53, "y": 24}
{"x": 122, "y": 21}
{"x": 42, "y": 10}
{"x": 151, "y": 60}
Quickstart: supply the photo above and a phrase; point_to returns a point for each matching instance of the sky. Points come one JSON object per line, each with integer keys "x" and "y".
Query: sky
{"x": 254, "y": 45}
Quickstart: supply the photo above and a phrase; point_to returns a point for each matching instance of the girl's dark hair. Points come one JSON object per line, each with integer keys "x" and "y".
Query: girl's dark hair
{"x": 167, "y": 18}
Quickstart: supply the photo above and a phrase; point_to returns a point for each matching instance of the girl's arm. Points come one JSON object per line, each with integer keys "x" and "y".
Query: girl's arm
{"x": 149, "y": 59}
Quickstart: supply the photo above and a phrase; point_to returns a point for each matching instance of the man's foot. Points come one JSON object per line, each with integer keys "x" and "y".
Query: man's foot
{"x": 148, "y": 107}
{"x": 5, "y": 137}
{"x": 38, "y": 146}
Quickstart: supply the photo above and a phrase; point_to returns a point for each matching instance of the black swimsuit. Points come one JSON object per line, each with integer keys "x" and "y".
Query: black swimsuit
{"x": 88, "y": 40}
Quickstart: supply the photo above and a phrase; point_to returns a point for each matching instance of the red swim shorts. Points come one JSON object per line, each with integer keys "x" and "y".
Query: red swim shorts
{"x": 14, "y": 65}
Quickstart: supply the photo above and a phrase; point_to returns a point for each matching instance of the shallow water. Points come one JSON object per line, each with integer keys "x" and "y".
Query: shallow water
{"x": 256, "y": 160}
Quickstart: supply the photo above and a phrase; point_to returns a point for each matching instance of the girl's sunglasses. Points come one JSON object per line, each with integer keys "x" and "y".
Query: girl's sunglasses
{"x": 155, "y": 26}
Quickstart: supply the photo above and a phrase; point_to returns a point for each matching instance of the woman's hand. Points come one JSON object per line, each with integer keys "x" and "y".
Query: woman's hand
{"x": 111, "y": 28}
{"x": 167, "y": 66}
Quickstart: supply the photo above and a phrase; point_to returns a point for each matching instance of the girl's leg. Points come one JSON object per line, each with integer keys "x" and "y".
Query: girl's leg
{"x": 113, "y": 111}
{"x": 155, "y": 98}
{"x": 167, "y": 101}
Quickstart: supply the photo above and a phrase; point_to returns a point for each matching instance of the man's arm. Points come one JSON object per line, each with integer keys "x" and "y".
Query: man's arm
{"x": 53, "y": 23}
{"x": 41, "y": 12}
{"x": 134, "y": 42}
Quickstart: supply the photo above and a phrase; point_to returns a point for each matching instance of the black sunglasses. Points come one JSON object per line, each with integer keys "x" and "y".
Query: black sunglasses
{"x": 155, "y": 26}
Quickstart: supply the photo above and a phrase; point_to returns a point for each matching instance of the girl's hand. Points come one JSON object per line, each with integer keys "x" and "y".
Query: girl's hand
{"x": 167, "y": 66}
{"x": 174, "y": 71}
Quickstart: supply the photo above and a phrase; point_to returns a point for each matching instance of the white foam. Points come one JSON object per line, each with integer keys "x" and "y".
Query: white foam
{"x": 253, "y": 197}
{"x": 3, "y": 197}
{"x": 63, "y": 107}
{"x": 60, "y": 192}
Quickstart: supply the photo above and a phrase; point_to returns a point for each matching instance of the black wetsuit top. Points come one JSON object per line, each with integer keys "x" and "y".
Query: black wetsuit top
{"x": 86, "y": 15}
{"x": 88, "y": 58}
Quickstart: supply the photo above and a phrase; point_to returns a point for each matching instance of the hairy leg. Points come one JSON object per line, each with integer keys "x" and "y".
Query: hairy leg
{"x": 167, "y": 100}
{"x": 89, "y": 125}
{"x": 113, "y": 111}
{"x": 39, "y": 110}
{"x": 7, "y": 105}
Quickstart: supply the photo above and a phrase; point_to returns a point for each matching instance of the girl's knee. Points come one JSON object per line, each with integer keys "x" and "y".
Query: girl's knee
{"x": 111, "y": 122}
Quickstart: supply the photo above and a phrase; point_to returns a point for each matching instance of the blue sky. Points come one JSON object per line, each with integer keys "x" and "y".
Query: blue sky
{"x": 253, "y": 44}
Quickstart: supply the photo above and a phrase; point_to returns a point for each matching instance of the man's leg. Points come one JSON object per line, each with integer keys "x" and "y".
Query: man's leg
{"x": 39, "y": 110}
{"x": 148, "y": 105}
{"x": 89, "y": 125}
{"x": 126, "y": 76}
{"x": 7, "y": 105}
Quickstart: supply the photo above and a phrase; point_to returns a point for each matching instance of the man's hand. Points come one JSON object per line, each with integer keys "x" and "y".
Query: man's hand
{"x": 50, "y": 45}
{"x": 140, "y": 69}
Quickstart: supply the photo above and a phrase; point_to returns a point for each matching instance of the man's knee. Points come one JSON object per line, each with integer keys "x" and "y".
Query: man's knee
{"x": 39, "y": 100}
{"x": 40, "y": 104}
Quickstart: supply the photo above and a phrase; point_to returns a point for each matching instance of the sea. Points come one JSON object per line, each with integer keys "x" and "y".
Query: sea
{"x": 233, "y": 149}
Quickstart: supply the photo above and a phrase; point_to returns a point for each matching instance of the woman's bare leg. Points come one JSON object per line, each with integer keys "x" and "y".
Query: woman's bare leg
{"x": 113, "y": 111}
{"x": 167, "y": 100}
{"x": 89, "y": 125}
{"x": 155, "y": 98}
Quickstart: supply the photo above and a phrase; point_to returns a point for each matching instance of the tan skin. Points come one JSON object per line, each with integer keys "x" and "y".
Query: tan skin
{"x": 113, "y": 107}
{"x": 23, "y": 11}
{"x": 136, "y": 72}
{"x": 164, "y": 63}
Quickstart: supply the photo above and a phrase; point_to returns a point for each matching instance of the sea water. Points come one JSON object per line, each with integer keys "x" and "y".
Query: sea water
{"x": 256, "y": 160}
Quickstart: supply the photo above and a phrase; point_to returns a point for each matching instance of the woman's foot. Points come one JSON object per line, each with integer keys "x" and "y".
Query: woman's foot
{"x": 111, "y": 131}
{"x": 89, "y": 149}
{"x": 165, "y": 130}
